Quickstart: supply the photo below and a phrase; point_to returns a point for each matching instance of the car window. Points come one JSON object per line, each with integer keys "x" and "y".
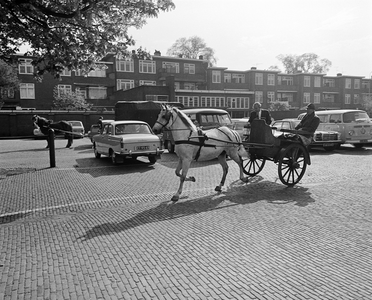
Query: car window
{"x": 75, "y": 123}
{"x": 278, "y": 125}
{"x": 335, "y": 118}
{"x": 323, "y": 118}
{"x": 286, "y": 125}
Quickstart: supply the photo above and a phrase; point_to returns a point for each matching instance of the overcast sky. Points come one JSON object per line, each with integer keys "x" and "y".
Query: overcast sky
{"x": 252, "y": 33}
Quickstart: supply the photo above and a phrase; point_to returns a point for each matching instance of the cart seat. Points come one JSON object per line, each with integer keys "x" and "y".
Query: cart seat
{"x": 261, "y": 133}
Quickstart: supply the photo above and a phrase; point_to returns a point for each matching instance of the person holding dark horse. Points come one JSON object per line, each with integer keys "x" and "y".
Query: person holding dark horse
{"x": 45, "y": 125}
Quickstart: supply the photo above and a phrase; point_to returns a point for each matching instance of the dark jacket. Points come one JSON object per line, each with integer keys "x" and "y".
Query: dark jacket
{"x": 265, "y": 115}
{"x": 309, "y": 123}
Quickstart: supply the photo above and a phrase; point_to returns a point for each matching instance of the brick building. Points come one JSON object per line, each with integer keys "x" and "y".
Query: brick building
{"x": 191, "y": 82}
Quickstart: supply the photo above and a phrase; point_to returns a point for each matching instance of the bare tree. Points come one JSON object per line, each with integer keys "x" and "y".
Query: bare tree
{"x": 192, "y": 47}
{"x": 307, "y": 63}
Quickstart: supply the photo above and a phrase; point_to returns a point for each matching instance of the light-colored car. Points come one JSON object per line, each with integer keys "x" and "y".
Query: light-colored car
{"x": 127, "y": 139}
{"x": 329, "y": 140}
{"x": 239, "y": 127}
{"x": 77, "y": 129}
{"x": 94, "y": 129}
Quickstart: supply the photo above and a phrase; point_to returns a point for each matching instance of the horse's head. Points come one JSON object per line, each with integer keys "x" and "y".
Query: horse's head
{"x": 35, "y": 118}
{"x": 163, "y": 119}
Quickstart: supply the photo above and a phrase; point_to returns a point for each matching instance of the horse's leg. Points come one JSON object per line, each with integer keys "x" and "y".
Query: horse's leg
{"x": 235, "y": 157}
{"x": 70, "y": 139}
{"x": 225, "y": 169}
{"x": 183, "y": 165}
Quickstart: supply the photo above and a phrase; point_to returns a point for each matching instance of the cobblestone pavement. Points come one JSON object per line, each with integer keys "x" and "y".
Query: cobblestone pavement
{"x": 90, "y": 230}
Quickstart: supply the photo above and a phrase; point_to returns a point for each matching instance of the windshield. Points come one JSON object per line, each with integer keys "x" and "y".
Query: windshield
{"x": 75, "y": 123}
{"x": 356, "y": 117}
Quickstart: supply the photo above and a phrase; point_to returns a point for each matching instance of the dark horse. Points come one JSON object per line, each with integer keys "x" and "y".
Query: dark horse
{"x": 61, "y": 126}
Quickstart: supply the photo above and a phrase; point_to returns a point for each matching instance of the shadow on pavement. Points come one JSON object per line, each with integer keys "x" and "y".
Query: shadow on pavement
{"x": 273, "y": 193}
{"x": 103, "y": 166}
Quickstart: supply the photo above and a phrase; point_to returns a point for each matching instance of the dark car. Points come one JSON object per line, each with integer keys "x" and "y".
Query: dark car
{"x": 329, "y": 140}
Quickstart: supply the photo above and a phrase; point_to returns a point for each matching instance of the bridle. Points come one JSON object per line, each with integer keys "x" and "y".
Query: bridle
{"x": 167, "y": 116}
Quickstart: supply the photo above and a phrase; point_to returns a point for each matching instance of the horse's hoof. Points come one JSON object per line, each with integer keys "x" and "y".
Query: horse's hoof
{"x": 175, "y": 199}
{"x": 192, "y": 178}
{"x": 218, "y": 188}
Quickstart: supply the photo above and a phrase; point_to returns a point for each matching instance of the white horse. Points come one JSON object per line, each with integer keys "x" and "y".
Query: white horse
{"x": 191, "y": 144}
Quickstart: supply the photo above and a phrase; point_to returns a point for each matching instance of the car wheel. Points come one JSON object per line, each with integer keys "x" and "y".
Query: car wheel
{"x": 152, "y": 159}
{"x": 96, "y": 153}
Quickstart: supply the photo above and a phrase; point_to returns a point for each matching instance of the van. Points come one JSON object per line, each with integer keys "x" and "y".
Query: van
{"x": 205, "y": 118}
{"x": 354, "y": 125}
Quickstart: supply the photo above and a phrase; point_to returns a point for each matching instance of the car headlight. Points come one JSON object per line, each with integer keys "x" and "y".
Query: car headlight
{"x": 351, "y": 132}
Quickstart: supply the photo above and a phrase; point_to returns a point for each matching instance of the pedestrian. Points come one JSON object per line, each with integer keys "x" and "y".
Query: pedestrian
{"x": 100, "y": 124}
{"x": 259, "y": 113}
{"x": 308, "y": 124}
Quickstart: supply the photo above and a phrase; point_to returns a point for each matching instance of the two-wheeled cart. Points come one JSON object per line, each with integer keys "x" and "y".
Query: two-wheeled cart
{"x": 287, "y": 151}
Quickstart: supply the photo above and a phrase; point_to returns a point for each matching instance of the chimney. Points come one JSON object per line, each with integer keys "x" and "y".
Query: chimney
{"x": 201, "y": 57}
{"x": 157, "y": 53}
{"x": 253, "y": 68}
{"x": 339, "y": 74}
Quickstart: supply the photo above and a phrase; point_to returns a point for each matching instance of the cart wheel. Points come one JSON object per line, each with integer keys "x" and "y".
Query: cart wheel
{"x": 292, "y": 164}
{"x": 253, "y": 165}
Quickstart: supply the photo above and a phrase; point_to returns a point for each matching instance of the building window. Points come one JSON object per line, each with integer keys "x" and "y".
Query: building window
{"x": 238, "y": 78}
{"x": 270, "y": 96}
{"x": 227, "y": 77}
{"x": 306, "y": 81}
{"x": 125, "y": 65}
{"x": 329, "y": 82}
{"x": 365, "y": 85}
{"x": 25, "y": 66}
{"x": 27, "y": 90}
{"x": 285, "y": 80}
{"x": 258, "y": 79}
{"x": 348, "y": 83}
{"x": 317, "y": 80}
{"x": 258, "y": 95}
{"x": 147, "y": 82}
{"x": 347, "y": 99}
{"x": 329, "y": 98}
{"x": 171, "y": 67}
{"x": 177, "y": 85}
{"x": 147, "y": 66}
{"x": 356, "y": 98}
{"x": 81, "y": 92}
{"x": 285, "y": 97}
{"x": 64, "y": 89}
{"x": 97, "y": 92}
{"x": 189, "y": 86}
{"x": 93, "y": 73}
{"x": 357, "y": 84}
{"x": 306, "y": 97}
{"x": 270, "y": 79}
{"x": 317, "y": 98}
{"x": 124, "y": 84}
{"x": 188, "y": 68}
{"x": 216, "y": 76}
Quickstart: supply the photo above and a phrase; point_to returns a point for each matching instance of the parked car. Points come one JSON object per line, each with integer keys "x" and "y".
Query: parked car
{"x": 127, "y": 139}
{"x": 329, "y": 140}
{"x": 94, "y": 129}
{"x": 77, "y": 129}
{"x": 205, "y": 118}
{"x": 240, "y": 125}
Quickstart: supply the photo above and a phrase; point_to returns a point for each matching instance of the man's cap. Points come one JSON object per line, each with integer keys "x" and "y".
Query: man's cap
{"x": 310, "y": 106}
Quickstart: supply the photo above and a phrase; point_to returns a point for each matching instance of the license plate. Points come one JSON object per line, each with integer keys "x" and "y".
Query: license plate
{"x": 142, "y": 147}
{"x": 328, "y": 145}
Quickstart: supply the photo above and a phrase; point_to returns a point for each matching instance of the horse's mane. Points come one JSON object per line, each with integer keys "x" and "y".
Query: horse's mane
{"x": 185, "y": 119}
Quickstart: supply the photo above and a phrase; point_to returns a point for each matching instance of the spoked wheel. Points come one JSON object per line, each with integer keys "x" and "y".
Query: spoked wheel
{"x": 253, "y": 165}
{"x": 292, "y": 164}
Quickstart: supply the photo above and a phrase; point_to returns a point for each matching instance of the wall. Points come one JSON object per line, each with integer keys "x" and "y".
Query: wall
{"x": 19, "y": 123}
